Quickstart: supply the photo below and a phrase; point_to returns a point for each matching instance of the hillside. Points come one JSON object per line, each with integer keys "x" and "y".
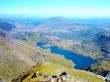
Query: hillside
{"x": 53, "y": 24}
{"x": 17, "y": 56}
{"x": 6, "y": 26}
{"x": 46, "y": 72}
{"x": 102, "y": 41}
{"x": 100, "y": 68}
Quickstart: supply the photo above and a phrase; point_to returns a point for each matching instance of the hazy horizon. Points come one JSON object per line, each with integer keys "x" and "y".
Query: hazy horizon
{"x": 49, "y": 8}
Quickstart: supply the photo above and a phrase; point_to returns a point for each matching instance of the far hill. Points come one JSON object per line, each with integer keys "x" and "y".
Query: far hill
{"x": 56, "y": 22}
{"x": 102, "y": 41}
{"x": 6, "y": 26}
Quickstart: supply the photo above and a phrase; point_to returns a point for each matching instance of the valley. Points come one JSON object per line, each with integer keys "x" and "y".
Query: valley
{"x": 72, "y": 45}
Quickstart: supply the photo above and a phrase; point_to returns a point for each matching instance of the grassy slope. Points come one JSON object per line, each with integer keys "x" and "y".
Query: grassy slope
{"x": 54, "y": 69}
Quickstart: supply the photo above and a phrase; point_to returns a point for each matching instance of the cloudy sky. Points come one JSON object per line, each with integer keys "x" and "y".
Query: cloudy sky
{"x": 75, "y": 8}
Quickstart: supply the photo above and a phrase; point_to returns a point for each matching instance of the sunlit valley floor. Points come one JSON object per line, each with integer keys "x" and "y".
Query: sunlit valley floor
{"x": 34, "y": 50}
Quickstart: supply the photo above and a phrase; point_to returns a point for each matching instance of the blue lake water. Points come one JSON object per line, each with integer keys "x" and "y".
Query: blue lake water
{"x": 80, "y": 61}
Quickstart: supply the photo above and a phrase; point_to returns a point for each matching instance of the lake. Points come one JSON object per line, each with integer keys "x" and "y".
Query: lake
{"x": 80, "y": 61}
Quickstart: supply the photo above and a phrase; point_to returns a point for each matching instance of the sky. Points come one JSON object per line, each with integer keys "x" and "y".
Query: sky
{"x": 69, "y": 8}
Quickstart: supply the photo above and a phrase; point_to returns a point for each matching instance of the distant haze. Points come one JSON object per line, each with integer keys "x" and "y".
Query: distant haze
{"x": 68, "y": 8}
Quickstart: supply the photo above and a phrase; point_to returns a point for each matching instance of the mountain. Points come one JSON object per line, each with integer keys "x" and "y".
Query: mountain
{"x": 57, "y": 21}
{"x": 54, "y": 23}
{"x": 6, "y": 26}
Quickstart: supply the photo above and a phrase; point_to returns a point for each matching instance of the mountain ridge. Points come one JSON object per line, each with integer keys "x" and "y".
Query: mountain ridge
{"x": 6, "y": 26}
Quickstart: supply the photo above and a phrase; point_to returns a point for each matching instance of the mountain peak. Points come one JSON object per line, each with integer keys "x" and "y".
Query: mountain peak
{"x": 58, "y": 19}
{"x": 56, "y": 22}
